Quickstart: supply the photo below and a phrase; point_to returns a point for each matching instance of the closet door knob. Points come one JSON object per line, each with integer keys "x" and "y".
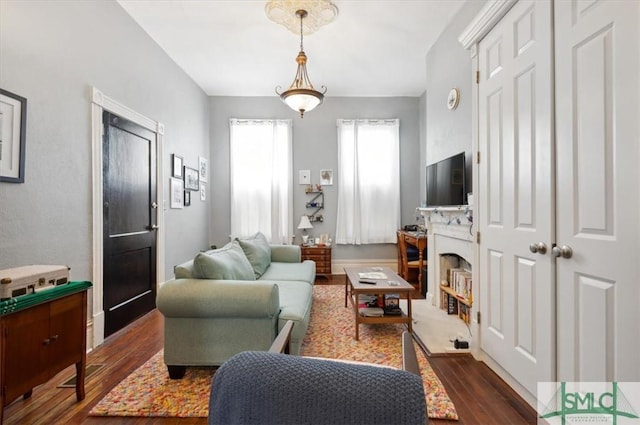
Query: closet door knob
{"x": 538, "y": 248}
{"x": 564, "y": 251}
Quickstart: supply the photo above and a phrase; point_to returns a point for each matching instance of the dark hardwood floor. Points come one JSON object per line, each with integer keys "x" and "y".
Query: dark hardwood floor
{"x": 479, "y": 395}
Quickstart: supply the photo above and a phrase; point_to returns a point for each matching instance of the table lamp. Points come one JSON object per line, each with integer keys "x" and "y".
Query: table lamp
{"x": 304, "y": 225}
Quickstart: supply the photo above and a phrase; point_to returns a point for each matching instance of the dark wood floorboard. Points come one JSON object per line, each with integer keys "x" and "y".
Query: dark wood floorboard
{"x": 479, "y": 395}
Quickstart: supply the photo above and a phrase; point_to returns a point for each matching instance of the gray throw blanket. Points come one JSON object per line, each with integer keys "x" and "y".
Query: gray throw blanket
{"x": 256, "y": 387}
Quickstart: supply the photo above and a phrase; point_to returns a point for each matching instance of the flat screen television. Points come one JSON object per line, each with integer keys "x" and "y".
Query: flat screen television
{"x": 446, "y": 182}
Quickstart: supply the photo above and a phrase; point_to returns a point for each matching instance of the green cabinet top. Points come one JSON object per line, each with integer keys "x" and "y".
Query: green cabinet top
{"x": 25, "y": 301}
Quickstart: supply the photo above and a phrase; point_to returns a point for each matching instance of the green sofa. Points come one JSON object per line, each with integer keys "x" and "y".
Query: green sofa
{"x": 233, "y": 299}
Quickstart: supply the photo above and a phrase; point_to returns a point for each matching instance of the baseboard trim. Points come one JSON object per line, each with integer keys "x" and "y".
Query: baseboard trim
{"x": 89, "y": 346}
{"x": 337, "y": 266}
{"x": 510, "y": 380}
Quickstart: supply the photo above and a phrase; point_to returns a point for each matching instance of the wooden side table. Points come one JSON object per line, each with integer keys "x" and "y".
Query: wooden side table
{"x": 40, "y": 335}
{"x": 321, "y": 254}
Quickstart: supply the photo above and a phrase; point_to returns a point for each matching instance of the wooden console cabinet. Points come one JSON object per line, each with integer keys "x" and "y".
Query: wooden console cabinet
{"x": 40, "y": 340}
{"x": 321, "y": 254}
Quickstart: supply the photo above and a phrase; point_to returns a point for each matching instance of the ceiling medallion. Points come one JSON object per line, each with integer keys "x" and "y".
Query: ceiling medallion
{"x": 284, "y": 12}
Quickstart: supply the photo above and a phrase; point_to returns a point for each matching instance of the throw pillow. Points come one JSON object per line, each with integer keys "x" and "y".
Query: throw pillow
{"x": 258, "y": 252}
{"x": 226, "y": 263}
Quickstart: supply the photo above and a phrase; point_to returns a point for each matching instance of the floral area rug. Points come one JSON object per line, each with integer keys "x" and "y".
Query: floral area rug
{"x": 331, "y": 334}
{"x": 148, "y": 391}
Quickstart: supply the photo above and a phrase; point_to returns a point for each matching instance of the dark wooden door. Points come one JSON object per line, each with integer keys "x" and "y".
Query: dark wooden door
{"x": 130, "y": 206}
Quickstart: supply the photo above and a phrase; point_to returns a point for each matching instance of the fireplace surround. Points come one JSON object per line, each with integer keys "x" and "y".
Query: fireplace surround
{"x": 449, "y": 232}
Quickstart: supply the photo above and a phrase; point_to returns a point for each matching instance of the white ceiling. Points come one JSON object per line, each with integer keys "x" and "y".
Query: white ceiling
{"x": 231, "y": 48}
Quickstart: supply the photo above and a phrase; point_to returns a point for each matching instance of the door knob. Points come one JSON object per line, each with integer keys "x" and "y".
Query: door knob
{"x": 154, "y": 227}
{"x": 564, "y": 251}
{"x": 154, "y": 205}
{"x": 539, "y": 248}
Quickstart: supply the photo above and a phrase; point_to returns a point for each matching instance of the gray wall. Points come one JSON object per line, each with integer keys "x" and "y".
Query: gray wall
{"x": 315, "y": 148}
{"x": 51, "y": 53}
{"x": 449, "y": 65}
{"x": 48, "y": 54}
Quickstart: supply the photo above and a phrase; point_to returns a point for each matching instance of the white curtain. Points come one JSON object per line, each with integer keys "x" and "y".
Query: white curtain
{"x": 261, "y": 170}
{"x": 368, "y": 181}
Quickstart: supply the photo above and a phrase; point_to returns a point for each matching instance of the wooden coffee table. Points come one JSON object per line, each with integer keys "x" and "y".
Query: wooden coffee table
{"x": 383, "y": 286}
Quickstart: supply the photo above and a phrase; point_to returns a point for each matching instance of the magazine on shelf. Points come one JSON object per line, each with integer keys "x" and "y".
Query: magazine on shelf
{"x": 371, "y": 312}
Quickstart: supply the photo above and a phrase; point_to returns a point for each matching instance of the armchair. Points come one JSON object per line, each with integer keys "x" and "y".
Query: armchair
{"x": 273, "y": 388}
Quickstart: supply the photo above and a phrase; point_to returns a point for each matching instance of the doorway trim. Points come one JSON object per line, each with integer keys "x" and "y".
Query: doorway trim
{"x": 99, "y": 103}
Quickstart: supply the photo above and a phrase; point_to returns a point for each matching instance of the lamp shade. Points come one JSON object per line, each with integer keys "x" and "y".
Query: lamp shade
{"x": 302, "y": 100}
{"x": 305, "y": 223}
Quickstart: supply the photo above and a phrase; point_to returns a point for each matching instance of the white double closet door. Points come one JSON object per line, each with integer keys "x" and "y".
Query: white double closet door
{"x": 558, "y": 137}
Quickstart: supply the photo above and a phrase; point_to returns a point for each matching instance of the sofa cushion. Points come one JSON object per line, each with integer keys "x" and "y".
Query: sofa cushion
{"x": 296, "y": 299}
{"x": 184, "y": 270}
{"x": 226, "y": 263}
{"x": 304, "y": 271}
{"x": 258, "y": 252}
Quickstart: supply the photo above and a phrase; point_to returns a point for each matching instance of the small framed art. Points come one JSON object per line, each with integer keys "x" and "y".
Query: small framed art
{"x": 176, "y": 164}
{"x": 326, "y": 177}
{"x": 187, "y": 198}
{"x": 191, "y": 179}
{"x": 203, "y": 168}
{"x": 304, "y": 176}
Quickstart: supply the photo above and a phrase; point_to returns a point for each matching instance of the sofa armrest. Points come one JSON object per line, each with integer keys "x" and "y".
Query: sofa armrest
{"x": 216, "y": 298}
{"x": 286, "y": 253}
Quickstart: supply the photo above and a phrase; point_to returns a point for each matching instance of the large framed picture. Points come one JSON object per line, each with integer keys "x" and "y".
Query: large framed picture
{"x": 191, "y": 179}
{"x": 13, "y": 133}
{"x": 177, "y": 193}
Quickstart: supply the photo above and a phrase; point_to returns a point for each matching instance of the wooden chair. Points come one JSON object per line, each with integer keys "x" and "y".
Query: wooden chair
{"x": 405, "y": 264}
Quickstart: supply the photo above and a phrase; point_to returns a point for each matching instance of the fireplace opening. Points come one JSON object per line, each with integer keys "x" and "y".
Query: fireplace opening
{"x": 456, "y": 286}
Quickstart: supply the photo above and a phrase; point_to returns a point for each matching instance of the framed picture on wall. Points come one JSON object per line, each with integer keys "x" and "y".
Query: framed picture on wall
{"x": 326, "y": 177}
{"x": 13, "y": 127}
{"x": 191, "y": 179}
{"x": 187, "y": 198}
{"x": 176, "y": 163}
{"x": 203, "y": 168}
{"x": 176, "y": 187}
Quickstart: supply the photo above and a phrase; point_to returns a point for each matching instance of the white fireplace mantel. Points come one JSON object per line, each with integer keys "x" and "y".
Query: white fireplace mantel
{"x": 449, "y": 231}
{"x": 455, "y": 222}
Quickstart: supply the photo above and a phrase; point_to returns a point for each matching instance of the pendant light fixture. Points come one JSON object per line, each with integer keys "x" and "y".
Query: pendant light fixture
{"x": 301, "y": 96}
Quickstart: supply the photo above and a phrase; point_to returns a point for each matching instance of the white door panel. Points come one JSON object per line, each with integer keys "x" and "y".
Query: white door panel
{"x": 597, "y": 73}
{"x": 517, "y": 195}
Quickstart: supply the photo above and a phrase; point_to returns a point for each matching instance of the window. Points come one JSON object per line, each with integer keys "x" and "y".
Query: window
{"x": 261, "y": 169}
{"x": 368, "y": 181}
